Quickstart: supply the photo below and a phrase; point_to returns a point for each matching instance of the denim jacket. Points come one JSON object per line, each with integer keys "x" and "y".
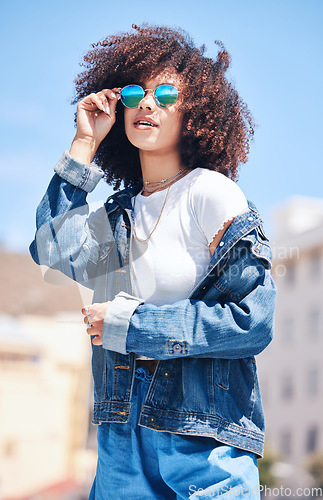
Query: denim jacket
{"x": 206, "y": 381}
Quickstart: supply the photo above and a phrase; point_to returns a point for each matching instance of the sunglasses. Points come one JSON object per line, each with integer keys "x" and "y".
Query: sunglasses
{"x": 165, "y": 95}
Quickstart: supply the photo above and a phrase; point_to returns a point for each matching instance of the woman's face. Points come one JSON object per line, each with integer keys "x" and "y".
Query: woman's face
{"x": 162, "y": 135}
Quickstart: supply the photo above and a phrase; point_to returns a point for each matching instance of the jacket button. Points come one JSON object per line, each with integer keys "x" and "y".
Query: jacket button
{"x": 166, "y": 374}
{"x": 177, "y": 347}
{"x": 152, "y": 419}
{"x": 250, "y": 218}
{"x": 221, "y": 243}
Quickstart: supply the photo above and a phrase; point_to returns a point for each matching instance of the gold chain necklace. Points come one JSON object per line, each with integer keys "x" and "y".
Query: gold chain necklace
{"x": 134, "y": 226}
{"x": 163, "y": 183}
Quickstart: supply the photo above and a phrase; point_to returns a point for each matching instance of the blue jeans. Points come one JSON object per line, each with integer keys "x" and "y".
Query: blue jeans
{"x": 137, "y": 463}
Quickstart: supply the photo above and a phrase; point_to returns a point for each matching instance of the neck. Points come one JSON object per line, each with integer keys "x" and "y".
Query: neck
{"x": 157, "y": 167}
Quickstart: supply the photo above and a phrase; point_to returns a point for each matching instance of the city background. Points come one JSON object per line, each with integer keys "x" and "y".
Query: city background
{"x": 47, "y": 441}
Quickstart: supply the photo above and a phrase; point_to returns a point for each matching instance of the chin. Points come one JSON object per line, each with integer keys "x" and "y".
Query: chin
{"x": 144, "y": 145}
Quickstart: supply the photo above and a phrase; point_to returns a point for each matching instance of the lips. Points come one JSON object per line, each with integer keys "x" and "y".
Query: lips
{"x": 144, "y": 122}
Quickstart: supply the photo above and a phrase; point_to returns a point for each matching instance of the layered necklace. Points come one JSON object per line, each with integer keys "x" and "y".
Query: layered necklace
{"x": 155, "y": 186}
{"x": 163, "y": 183}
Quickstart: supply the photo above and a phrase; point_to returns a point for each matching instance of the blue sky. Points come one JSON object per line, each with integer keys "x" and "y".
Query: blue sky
{"x": 276, "y": 50}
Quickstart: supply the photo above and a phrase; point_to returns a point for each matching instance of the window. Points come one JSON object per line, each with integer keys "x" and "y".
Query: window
{"x": 286, "y": 442}
{"x": 312, "y": 439}
{"x": 313, "y": 381}
{"x": 314, "y": 323}
{"x": 315, "y": 265}
{"x": 287, "y": 387}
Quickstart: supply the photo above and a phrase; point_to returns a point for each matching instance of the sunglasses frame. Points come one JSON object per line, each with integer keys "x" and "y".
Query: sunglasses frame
{"x": 150, "y": 90}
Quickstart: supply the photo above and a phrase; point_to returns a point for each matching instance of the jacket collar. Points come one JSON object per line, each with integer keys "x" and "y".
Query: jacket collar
{"x": 122, "y": 198}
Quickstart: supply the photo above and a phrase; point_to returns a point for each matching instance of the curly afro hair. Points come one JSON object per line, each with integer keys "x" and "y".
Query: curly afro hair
{"x": 217, "y": 125}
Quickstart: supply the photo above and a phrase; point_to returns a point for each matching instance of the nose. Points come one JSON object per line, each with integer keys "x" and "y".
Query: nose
{"x": 148, "y": 101}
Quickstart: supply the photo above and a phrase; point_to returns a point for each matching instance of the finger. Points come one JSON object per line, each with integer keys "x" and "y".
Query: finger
{"x": 110, "y": 93}
{"x": 104, "y": 103}
{"x": 96, "y": 328}
{"x": 85, "y": 310}
{"x": 97, "y": 340}
{"x": 93, "y": 100}
{"x": 86, "y": 320}
{"x": 113, "y": 105}
{"x": 109, "y": 100}
{"x": 117, "y": 91}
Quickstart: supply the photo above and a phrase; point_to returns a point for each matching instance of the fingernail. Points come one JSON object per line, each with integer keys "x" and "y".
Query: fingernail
{"x": 107, "y": 109}
{"x": 113, "y": 95}
{"x": 88, "y": 326}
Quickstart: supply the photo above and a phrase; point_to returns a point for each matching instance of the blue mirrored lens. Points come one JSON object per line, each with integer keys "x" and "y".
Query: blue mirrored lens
{"x": 166, "y": 95}
{"x": 131, "y": 95}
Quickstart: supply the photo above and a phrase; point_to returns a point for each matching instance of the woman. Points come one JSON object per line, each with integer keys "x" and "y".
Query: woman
{"x": 179, "y": 264}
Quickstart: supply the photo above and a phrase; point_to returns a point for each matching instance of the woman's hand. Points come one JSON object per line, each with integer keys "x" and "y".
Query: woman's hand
{"x": 95, "y": 118}
{"x": 94, "y": 317}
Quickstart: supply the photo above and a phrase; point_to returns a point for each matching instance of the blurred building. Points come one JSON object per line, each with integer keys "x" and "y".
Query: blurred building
{"x": 26, "y": 288}
{"x": 45, "y": 386}
{"x": 291, "y": 369}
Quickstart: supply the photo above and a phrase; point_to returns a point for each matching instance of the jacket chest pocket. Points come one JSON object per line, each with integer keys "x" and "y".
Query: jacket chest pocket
{"x": 221, "y": 372}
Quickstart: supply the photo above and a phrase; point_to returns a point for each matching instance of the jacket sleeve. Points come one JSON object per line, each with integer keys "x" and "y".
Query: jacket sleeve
{"x": 237, "y": 323}
{"x": 68, "y": 238}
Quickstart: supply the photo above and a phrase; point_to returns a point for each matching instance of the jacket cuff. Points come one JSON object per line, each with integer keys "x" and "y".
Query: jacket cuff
{"x": 80, "y": 175}
{"x": 116, "y": 322}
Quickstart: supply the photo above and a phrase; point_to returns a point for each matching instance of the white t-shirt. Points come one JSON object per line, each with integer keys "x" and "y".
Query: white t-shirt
{"x": 167, "y": 267}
